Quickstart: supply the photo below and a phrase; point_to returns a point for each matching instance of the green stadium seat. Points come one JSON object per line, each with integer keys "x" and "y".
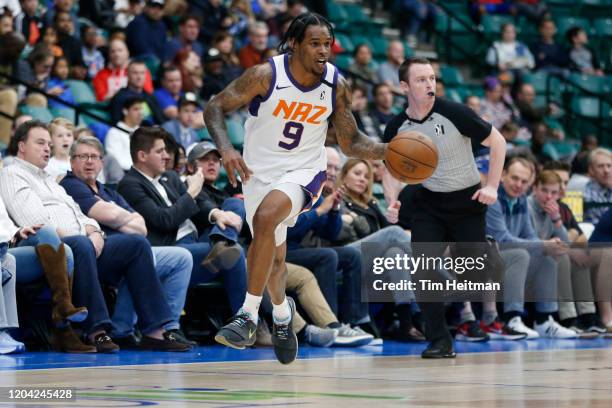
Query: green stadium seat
{"x": 361, "y": 39}
{"x": 592, "y": 83}
{"x": 82, "y": 91}
{"x": 565, "y": 23}
{"x": 451, "y": 75}
{"x": 203, "y": 134}
{"x": 235, "y": 132}
{"x": 586, "y": 106}
{"x": 37, "y": 112}
{"x": 346, "y": 43}
{"x": 603, "y": 27}
{"x": 379, "y": 46}
{"x": 343, "y": 61}
{"x": 537, "y": 80}
{"x": 153, "y": 65}
{"x": 492, "y": 24}
{"x": 336, "y": 12}
{"x": 355, "y": 13}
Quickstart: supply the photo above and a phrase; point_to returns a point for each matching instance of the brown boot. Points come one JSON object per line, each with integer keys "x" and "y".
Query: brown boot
{"x": 54, "y": 266}
{"x": 64, "y": 339}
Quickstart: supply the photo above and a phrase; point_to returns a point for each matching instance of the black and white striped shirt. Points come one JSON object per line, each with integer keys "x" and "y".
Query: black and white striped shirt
{"x": 452, "y": 127}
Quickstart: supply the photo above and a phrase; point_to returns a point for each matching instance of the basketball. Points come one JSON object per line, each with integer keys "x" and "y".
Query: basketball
{"x": 411, "y": 157}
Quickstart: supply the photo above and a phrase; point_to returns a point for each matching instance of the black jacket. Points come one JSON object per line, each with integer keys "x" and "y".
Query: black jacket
{"x": 162, "y": 221}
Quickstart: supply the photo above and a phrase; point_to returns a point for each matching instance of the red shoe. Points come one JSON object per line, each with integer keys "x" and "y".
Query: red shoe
{"x": 498, "y": 331}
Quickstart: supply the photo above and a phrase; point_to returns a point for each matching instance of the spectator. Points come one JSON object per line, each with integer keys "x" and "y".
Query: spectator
{"x": 216, "y": 77}
{"x": 418, "y": 12}
{"x": 509, "y": 54}
{"x": 387, "y": 71}
{"x": 181, "y": 128}
{"x": 71, "y": 46}
{"x": 10, "y": 64}
{"x": 473, "y": 102}
{"x": 581, "y": 57}
{"x": 365, "y": 121}
{"x": 242, "y": 16}
{"x": 509, "y": 223}
{"x": 118, "y": 140}
{"x": 383, "y": 104}
{"x": 548, "y": 224}
{"x": 97, "y": 260}
{"x": 581, "y": 314}
{"x": 137, "y": 75}
{"x": 173, "y": 265}
{"x": 62, "y": 137}
{"x": 363, "y": 222}
{"x": 65, "y": 6}
{"x": 598, "y": 191}
{"x": 114, "y": 77}
{"x": 307, "y": 246}
{"x": 530, "y": 115}
{"x": 6, "y": 22}
{"x": 549, "y": 56}
{"x": 231, "y": 63}
{"x": 57, "y": 84}
{"x": 92, "y": 57}
{"x": 534, "y": 10}
{"x": 170, "y": 92}
{"x": 29, "y": 21}
{"x": 191, "y": 70}
{"x": 49, "y": 38}
{"x": 494, "y": 108}
{"x": 127, "y": 10}
{"x": 171, "y": 211}
{"x": 540, "y": 136}
{"x": 214, "y": 17}
{"x": 146, "y": 34}
{"x": 252, "y": 53}
{"x": 177, "y": 159}
{"x": 189, "y": 30}
{"x": 362, "y": 67}
{"x": 38, "y": 73}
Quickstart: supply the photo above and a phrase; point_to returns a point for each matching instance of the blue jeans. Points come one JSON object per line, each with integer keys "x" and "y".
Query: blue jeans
{"x": 234, "y": 205}
{"x": 27, "y": 260}
{"x": 124, "y": 256}
{"x": 234, "y": 278}
{"x": 173, "y": 266}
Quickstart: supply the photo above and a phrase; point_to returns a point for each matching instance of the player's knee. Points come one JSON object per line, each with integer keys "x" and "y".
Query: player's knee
{"x": 265, "y": 220}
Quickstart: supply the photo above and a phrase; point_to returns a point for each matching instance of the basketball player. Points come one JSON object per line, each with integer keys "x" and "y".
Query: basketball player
{"x": 450, "y": 206}
{"x": 292, "y": 98}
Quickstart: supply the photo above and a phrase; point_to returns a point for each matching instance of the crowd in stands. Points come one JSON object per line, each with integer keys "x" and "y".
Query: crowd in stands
{"x": 145, "y": 210}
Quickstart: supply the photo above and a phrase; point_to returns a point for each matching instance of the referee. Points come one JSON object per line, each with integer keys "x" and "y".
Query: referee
{"x": 451, "y": 205}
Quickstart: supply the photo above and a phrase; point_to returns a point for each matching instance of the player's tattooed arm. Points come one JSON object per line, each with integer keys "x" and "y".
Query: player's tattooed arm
{"x": 254, "y": 81}
{"x": 352, "y": 141}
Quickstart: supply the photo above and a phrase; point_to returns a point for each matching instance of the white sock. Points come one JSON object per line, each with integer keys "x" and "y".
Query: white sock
{"x": 281, "y": 313}
{"x": 251, "y": 306}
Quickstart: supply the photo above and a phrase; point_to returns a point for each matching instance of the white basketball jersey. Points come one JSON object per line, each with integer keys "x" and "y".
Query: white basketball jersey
{"x": 286, "y": 129}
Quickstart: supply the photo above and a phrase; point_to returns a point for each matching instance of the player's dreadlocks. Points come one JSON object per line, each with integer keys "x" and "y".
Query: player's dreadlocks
{"x": 297, "y": 29}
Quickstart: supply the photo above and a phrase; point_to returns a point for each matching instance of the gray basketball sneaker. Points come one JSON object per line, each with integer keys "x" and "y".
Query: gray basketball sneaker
{"x": 238, "y": 333}
{"x": 284, "y": 339}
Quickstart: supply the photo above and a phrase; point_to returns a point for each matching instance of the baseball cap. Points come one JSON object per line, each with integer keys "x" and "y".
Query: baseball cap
{"x": 212, "y": 55}
{"x": 189, "y": 98}
{"x": 200, "y": 150}
{"x": 159, "y": 3}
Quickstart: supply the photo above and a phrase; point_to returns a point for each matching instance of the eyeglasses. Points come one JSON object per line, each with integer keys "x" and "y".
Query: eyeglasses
{"x": 86, "y": 157}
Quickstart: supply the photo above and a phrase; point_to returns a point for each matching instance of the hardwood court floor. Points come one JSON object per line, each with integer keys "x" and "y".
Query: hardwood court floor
{"x": 571, "y": 377}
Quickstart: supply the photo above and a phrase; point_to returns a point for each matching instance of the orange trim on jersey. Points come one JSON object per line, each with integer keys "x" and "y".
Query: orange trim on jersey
{"x": 299, "y": 112}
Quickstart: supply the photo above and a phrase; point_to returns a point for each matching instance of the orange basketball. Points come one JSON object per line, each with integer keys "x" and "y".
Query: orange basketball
{"x": 411, "y": 157}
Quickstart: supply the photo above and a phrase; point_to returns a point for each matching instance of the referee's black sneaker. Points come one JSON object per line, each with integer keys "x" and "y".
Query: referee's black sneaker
{"x": 441, "y": 348}
{"x": 284, "y": 339}
{"x": 239, "y": 332}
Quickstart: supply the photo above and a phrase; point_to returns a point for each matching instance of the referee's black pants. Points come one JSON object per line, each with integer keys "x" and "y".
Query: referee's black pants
{"x": 440, "y": 219}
